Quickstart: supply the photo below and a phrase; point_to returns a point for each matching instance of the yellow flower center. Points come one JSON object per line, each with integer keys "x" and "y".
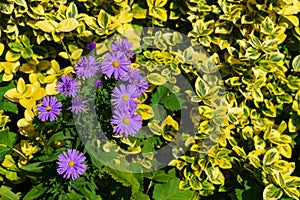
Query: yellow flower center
{"x": 126, "y": 120}
{"x": 125, "y": 98}
{"x": 116, "y": 64}
{"x": 48, "y": 108}
{"x": 71, "y": 163}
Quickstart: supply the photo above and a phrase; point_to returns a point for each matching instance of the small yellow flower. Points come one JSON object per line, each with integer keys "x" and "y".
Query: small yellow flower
{"x": 28, "y": 149}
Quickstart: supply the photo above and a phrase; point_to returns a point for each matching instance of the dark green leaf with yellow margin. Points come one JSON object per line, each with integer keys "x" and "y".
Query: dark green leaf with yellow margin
{"x": 272, "y": 191}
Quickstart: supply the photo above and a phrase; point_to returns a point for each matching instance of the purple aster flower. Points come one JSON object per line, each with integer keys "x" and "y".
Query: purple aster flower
{"x": 49, "y": 109}
{"x": 116, "y": 64}
{"x": 122, "y": 97}
{"x": 98, "y": 83}
{"x": 134, "y": 77}
{"x": 91, "y": 46}
{"x": 68, "y": 86}
{"x": 123, "y": 46}
{"x": 78, "y": 106}
{"x": 126, "y": 123}
{"x": 87, "y": 67}
{"x": 70, "y": 164}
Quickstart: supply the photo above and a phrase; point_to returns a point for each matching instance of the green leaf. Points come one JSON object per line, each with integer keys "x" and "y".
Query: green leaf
{"x": 170, "y": 191}
{"x": 8, "y": 106}
{"x": 59, "y": 136}
{"x": 7, "y": 194}
{"x": 6, "y": 87}
{"x": 161, "y": 175}
{"x": 35, "y": 192}
{"x": 173, "y": 102}
{"x": 160, "y": 93}
{"x": 239, "y": 194}
{"x": 34, "y": 167}
{"x": 140, "y": 196}
{"x": 7, "y": 141}
{"x": 127, "y": 179}
{"x": 252, "y": 190}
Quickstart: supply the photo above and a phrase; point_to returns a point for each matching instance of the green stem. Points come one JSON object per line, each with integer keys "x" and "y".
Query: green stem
{"x": 66, "y": 50}
{"x": 149, "y": 186}
{"x": 20, "y": 153}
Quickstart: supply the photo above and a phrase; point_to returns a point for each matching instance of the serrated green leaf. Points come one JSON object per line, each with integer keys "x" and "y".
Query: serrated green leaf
{"x": 8, "y": 106}
{"x": 160, "y": 93}
{"x": 173, "y": 102}
{"x": 170, "y": 191}
{"x": 7, "y": 141}
{"x": 161, "y": 175}
{"x": 127, "y": 179}
{"x": 140, "y": 196}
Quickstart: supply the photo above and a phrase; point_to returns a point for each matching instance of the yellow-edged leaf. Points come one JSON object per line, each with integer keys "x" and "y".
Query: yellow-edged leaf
{"x": 67, "y": 25}
{"x": 11, "y": 56}
{"x": 47, "y": 26}
{"x": 171, "y": 122}
{"x": 1, "y": 48}
{"x": 76, "y": 54}
{"x": 156, "y": 79}
{"x": 145, "y": 111}
{"x": 21, "y": 85}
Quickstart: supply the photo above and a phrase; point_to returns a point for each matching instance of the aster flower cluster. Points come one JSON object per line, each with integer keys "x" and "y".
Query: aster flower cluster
{"x": 125, "y": 120}
{"x": 87, "y": 67}
{"x": 124, "y": 98}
